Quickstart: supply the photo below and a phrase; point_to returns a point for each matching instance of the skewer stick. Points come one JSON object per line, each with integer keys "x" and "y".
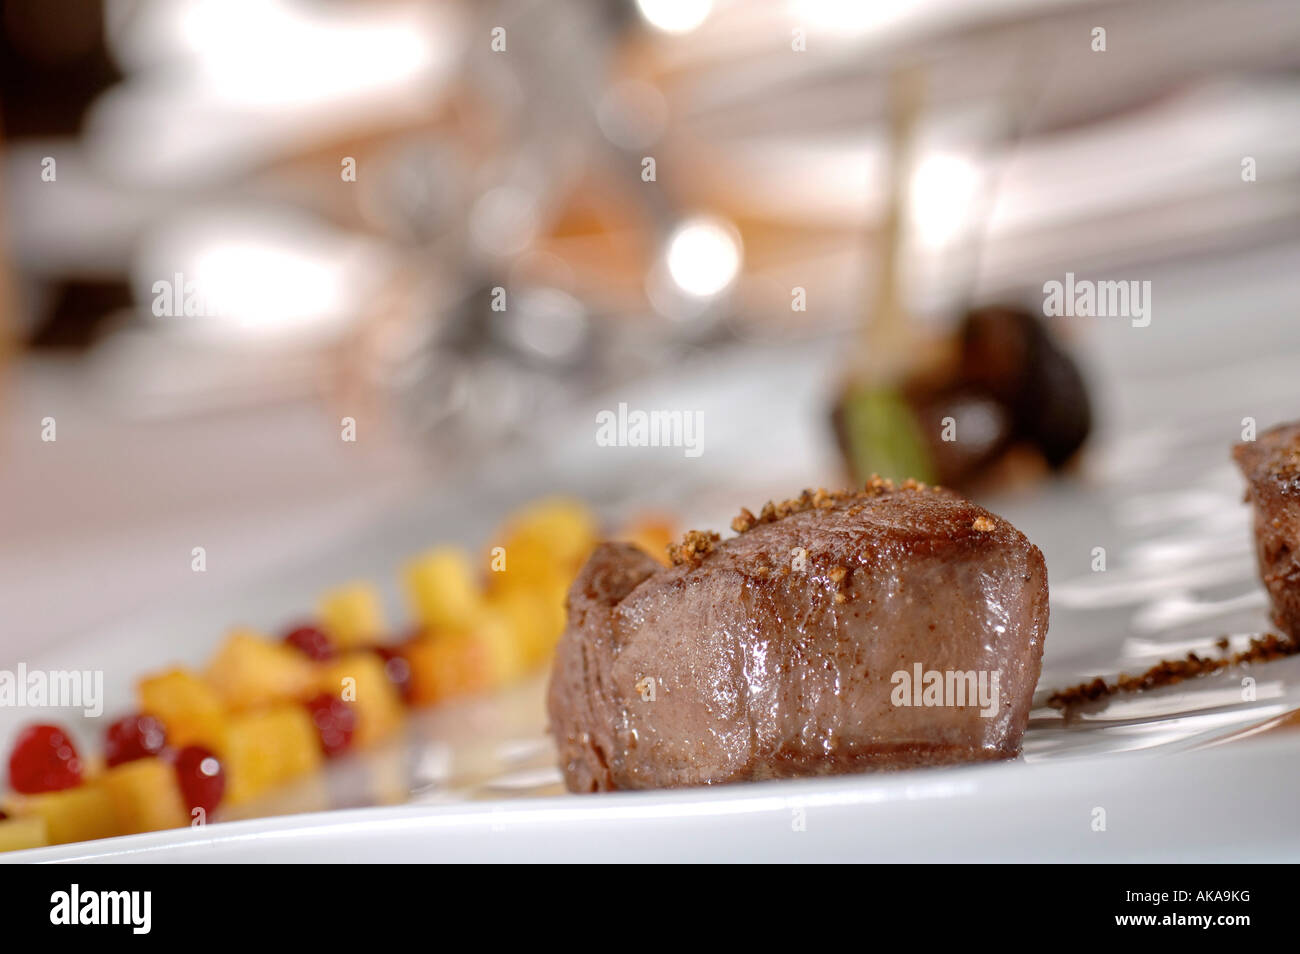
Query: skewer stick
{"x": 885, "y": 332}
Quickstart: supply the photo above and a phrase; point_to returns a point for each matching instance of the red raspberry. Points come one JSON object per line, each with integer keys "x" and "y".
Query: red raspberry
{"x": 43, "y": 760}
{"x": 311, "y": 642}
{"x": 201, "y": 776}
{"x": 133, "y": 737}
{"x": 335, "y": 721}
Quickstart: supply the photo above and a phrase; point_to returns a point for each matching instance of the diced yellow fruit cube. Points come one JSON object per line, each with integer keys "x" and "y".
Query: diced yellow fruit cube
{"x": 306, "y": 793}
{"x": 503, "y": 654}
{"x": 146, "y": 795}
{"x": 446, "y": 666}
{"x": 547, "y": 540}
{"x": 442, "y": 589}
{"x": 73, "y": 814}
{"x": 187, "y": 706}
{"x": 359, "y": 678}
{"x": 249, "y": 672}
{"x": 19, "y": 833}
{"x": 352, "y": 615}
{"x": 567, "y": 526}
{"x": 525, "y": 612}
{"x": 534, "y": 621}
{"x": 263, "y": 749}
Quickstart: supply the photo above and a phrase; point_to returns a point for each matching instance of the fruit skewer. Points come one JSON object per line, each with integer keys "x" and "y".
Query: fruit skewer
{"x": 265, "y": 712}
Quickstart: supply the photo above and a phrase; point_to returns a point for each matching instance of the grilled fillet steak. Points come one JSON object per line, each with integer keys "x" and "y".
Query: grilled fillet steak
{"x": 1271, "y": 465}
{"x": 748, "y": 660}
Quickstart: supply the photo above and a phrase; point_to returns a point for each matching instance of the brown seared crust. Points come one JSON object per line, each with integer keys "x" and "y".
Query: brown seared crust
{"x": 1271, "y": 463}
{"x": 579, "y": 699}
{"x": 1271, "y": 466}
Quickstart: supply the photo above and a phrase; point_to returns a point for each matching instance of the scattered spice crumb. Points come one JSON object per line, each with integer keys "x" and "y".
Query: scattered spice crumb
{"x": 1169, "y": 672}
{"x": 878, "y": 485}
{"x": 743, "y": 521}
{"x": 983, "y": 525}
{"x": 695, "y": 546}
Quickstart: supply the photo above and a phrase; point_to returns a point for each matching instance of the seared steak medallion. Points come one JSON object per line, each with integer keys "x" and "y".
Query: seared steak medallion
{"x": 835, "y": 633}
{"x": 1271, "y": 465}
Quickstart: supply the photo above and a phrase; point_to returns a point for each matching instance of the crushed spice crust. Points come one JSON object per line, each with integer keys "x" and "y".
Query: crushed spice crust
{"x": 819, "y": 499}
{"x": 1288, "y": 468}
{"x": 698, "y": 544}
{"x": 695, "y": 546}
{"x": 1287, "y": 464}
{"x": 1168, "y": 672}
{"x": 743, "y": 521}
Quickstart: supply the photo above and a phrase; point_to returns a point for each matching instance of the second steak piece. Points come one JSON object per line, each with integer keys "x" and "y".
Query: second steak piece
{"x": 809, "y": 644}
{"x": 1271, "y": 466}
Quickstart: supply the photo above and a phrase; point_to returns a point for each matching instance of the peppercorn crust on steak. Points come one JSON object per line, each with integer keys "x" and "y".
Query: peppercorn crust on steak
{"x": 802, "y": 645}
{"x": 1271, "y": 466}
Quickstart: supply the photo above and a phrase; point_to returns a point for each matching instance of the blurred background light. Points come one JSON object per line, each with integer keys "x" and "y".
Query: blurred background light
{"x": 276, "y": 279}
{"x": 851, "y": 16}
{"x": 275, "y": 53}
{"x": 266, "y": 289}
{"x": 942, "y": 196}
{"x": 675, "y": 16}
{"x": 703, "y": 256}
